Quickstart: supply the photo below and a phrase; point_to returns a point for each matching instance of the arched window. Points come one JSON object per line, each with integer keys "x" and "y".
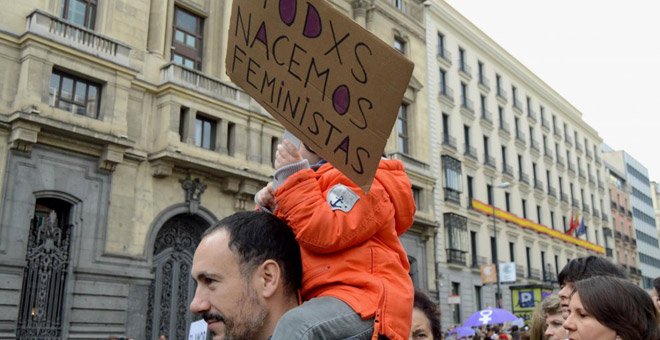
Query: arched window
{"x": 45, "y": 275}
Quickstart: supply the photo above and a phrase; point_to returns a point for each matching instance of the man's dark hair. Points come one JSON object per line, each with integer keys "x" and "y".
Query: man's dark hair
{"x": 431, "y": 311}
{"x": 585, "y": 267}
{"x": 656, "y": 284}
{"x": 258, "y": 236}
{"x": 620, "y": 305}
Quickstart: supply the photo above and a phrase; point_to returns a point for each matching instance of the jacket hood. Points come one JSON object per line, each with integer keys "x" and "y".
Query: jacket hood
{"x": 396, "y": 183}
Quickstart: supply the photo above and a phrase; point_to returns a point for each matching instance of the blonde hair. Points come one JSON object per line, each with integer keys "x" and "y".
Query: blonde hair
{"x": 549, "y": 306}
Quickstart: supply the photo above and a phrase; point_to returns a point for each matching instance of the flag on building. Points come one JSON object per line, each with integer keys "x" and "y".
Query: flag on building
{"x": 573, "y": 224}
{"x": 582, "y": 229}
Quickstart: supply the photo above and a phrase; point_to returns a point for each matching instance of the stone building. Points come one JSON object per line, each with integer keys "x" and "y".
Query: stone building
{"x": 504, "y": 143}
{"x": 122, "y": 139}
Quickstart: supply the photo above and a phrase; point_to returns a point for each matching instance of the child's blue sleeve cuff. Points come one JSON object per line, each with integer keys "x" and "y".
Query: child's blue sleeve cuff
{"x": 284, "y": 172}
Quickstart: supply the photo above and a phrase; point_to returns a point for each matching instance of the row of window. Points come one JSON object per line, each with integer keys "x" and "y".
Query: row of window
{"x": 445, "y": 90}
{"x": 642, "y": 197}
{"x": 640, "y": 176}
{"x": 646, "y": 238}
{"x": 638, "y": 214}
{"x": 470, "y": 151}
{"x": 651, "y": 261}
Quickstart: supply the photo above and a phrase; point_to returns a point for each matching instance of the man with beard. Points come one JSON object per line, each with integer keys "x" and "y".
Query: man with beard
{"x": 582, "y": 268}
{"x": 248, "y": 272}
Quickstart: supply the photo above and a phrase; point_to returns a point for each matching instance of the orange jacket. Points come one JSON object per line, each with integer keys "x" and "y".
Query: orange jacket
{"x": 355, "y": 256}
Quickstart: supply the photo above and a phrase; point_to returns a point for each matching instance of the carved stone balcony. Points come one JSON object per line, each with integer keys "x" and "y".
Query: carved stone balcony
{"x": 57, "y": 29}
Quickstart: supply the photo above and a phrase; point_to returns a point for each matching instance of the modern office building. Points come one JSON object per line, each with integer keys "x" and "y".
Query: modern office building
{"x": 655, "y": 190}
{"x": 504, "y": 143}
{"x": 643, "y": 213}
{"x": 122, "y": 140}
{"x": 625, "y": 237}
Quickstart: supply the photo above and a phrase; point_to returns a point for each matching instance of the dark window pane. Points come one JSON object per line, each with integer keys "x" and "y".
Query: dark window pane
{"x": 186, "y": 21}
{"x": 92, "y": 101}
{"x": 206, "y": 143}
{"x": 54, "y": 87}
{"x": 198, "y": 132}
{"x": 79, "y": 96}
{"x": 67, "y": 88}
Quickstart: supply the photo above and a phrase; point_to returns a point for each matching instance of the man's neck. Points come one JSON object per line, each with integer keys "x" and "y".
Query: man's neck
{"x": 277, "y": 309}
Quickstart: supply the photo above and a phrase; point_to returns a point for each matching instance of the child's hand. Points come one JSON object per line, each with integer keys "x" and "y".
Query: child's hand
{"x": 286, "y": 154}
{"x": 266, "y": 197}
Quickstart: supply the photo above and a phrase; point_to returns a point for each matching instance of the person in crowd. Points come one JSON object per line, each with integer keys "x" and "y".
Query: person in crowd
{"x": 515, "y": 332}
{"x": 655, "y": 294}
{"x": 248, "y": 271}
{"x": 583, "y": 268}
{"x": 356, "y": 283}
{"x": 609, "y": 308}
{"x": 547, "y": 320}
{"x": 425, "y": 318}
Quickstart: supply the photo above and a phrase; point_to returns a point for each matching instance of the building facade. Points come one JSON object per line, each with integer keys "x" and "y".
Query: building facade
{"x": 643, "y": 213}
{"x": 655, "y": 190}
{"x": 625, "y": 237}
{"x": 122, "y": 140}
{"x": 504, "y": 144}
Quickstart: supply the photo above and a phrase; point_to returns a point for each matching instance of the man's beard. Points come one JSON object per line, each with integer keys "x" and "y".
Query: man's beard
{"x": 248, "y": 321}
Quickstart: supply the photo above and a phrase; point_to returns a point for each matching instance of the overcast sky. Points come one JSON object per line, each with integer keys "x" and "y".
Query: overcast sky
{"x": 602, "y": 56}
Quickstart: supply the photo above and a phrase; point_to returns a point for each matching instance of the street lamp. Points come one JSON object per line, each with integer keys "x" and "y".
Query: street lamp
{"x": 498, "y": 293}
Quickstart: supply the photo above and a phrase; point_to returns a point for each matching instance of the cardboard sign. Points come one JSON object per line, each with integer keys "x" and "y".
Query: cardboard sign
{"x": 330, "y": 82}
{"x": 488, "y": 273}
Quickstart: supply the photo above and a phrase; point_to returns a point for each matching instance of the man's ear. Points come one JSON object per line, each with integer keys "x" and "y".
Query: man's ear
{"x": 270, "y": 276}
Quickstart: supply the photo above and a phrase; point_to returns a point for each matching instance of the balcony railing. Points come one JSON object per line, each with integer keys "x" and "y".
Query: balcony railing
{"x": 507, "y": 170}
{"x": 449, "y": 141}
{"x": 568, "y": 139}
{"x": 520, "y": 270}
{"x": 487, "y": 116}
{"x": 609, "y": 252}
{"x": 560, "y": 161}
{"x": 535, "y": 274}
{"x": 596, "y": 212}
{"x": 564, "y": 197}
{"x": 198, "y": 81}
{"x": 410, "y": 8}
{"x": 607, "y": 232}
{"x": 516, "y": 104}
{"x": 538, "y": 185}
{"x": 445, "y": 55}
{"x": 465, "y": 69}
{"x": 57, "y": 29}
{"x": 505, "y": 127}
{"x": 466, "y": 104}
{"x": 552, "y": 192}
{"x": 501, "y": 94}
{"x": 531, "y": 114}
{"x": 470, "y": 151}
{"x": 601, "y": 185}
{"x": 452, "y": 195}
{"x": 523, "y": 178}
{"x": 490, "y": 161}
{"x": 575, "y": 203}
{"x": 520, "y": 137}
{"x": 604, "y": 216}
{"x": 590, "y": 154}
{"x": 578, "y": 146}
{"x": 592, "y": 179}
{"x": 617, "y": 235}
{"x": 484, "y": 81}
{"x": 535, "y": 145}
{"x": 557, "y": 131}
{"x": 547, "y": 152}
{"x": 447, "y": 93}
{"x": 545, "y": 123}
{"x": 456, "y": 256}
{"x": 586, "y": 208}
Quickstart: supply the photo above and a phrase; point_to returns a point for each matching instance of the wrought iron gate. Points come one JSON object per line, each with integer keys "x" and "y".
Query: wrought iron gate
{"x": 172, "y": 290}
{"x": 45, "y": 276}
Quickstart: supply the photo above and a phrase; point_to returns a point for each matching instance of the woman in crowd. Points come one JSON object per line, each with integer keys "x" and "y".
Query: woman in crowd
{"x": 426, "y": 319}
{"x": 547, "y": 321}
{"x": 610, "y": 308}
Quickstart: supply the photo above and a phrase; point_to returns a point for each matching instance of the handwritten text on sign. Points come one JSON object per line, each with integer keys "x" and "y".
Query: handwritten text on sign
{"x": 332, "y": 83}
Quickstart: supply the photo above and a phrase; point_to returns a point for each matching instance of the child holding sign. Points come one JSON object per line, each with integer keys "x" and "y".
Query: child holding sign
{"x": 355, "y": 270}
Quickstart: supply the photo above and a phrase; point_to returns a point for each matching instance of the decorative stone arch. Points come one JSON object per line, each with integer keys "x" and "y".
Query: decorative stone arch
{"x": 174, "y": 236}
{"x": 166, "y": 215}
